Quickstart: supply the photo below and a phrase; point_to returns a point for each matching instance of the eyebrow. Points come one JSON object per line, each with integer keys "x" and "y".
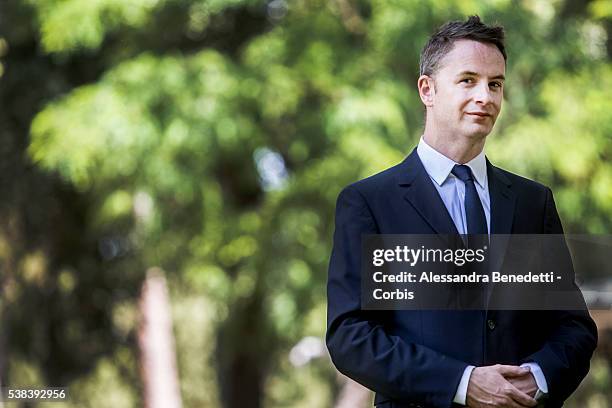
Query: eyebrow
{"x": 503, "y": 78}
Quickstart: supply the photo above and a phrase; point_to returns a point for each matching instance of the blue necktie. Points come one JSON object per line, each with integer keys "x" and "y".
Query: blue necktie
{"x": 477, "y": 235}
{"x": 474, "y": 213}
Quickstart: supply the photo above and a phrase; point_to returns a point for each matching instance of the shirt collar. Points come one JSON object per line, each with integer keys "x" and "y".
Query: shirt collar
{"x": 438, "y": 166}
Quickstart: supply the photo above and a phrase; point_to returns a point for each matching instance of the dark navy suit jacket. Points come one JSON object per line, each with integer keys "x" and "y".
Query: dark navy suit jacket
{"x": 417, "y": 358}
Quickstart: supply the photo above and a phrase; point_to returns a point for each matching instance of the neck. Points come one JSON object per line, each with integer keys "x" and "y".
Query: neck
{"x": 458, "y": 148}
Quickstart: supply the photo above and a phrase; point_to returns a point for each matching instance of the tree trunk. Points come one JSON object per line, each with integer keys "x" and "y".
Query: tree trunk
{"x": 244, "y": 350}
{"x": 156, "y": 343}
{"x": 353, "y": 395}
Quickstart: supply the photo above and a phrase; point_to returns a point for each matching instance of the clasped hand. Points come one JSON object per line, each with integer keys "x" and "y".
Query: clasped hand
{"x": 500, "y": 385}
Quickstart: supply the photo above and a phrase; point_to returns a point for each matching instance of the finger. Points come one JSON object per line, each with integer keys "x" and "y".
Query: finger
{"x": 510, "y": 403}
{"x": 520, "y": 397}
{"x": 512, "y": 371}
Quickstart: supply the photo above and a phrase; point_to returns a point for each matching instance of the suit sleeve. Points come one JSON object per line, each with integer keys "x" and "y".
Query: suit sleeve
{"x": 358, "y": 342}
{"x": 566, "y": 354}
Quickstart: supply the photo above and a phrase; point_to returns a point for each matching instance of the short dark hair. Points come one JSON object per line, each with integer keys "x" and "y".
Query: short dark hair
{"x": 441, "y": 43}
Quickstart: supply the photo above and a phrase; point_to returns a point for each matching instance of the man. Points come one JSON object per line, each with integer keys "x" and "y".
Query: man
{"x": 442, "y": 358}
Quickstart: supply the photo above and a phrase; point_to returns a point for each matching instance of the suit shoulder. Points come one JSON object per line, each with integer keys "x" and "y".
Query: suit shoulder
{"x": 522, "y": 182}
{"x": 376, "y": 182}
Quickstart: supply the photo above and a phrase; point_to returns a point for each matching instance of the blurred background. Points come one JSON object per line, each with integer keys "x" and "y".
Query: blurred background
{"x": 169, "y": 169}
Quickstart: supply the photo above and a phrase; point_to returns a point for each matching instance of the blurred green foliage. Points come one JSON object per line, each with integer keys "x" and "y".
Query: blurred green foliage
{"x": 211, "y": 138}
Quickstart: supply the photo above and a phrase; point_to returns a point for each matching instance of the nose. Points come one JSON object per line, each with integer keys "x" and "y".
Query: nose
{"x": 482, "y": 94}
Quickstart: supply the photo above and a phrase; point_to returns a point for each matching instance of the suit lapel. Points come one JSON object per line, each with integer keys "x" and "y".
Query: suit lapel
{"x": 423, "y": 196}
{"x": 503, "y": 201}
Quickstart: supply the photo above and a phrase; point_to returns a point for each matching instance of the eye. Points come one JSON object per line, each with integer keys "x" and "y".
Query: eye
{"x": 495, "y": 84}
{"x": 467, "y": 80}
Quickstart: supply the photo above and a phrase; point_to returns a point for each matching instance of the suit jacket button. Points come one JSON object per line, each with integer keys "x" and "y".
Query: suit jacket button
{"x": 491, "y": 324}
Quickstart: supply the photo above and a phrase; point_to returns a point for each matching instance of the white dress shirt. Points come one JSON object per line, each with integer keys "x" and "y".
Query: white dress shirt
{"x": 452, "y": 192}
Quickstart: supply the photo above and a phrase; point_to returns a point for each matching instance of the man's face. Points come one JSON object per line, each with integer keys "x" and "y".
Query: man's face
{"x": 468, "y": 89}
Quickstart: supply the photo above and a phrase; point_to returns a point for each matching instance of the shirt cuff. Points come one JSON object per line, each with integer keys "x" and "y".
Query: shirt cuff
{"x": 538, "y": 374}
{"x": 461, "y": 394}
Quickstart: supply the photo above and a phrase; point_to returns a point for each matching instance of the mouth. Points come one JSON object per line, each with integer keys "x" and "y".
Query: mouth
{"x": 479, "y": 114}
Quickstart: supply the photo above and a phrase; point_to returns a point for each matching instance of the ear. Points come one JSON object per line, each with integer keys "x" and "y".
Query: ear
{"x": 426, "y": 90}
